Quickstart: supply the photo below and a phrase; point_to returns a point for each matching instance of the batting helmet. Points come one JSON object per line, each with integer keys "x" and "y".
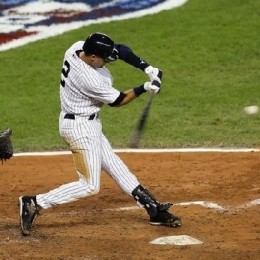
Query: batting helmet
{"x": 99, "y": 44}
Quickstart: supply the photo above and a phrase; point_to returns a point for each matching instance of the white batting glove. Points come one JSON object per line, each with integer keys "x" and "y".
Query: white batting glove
{"x": 152, "y": 87}
{"x": 153, "y": 73}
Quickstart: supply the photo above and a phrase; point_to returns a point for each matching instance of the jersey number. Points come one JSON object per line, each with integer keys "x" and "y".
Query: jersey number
{"x": 65, "y": 72}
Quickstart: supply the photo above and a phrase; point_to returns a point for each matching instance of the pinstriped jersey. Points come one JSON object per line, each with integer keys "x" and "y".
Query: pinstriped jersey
{"x": 84, "y": 89}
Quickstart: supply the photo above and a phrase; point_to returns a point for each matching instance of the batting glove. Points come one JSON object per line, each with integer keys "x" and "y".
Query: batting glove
{"x": 152, "y": 87}
{"x": 153, "y": 73}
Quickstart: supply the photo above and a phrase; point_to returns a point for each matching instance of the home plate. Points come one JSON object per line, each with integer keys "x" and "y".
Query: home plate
{"x": 181, "y": 240}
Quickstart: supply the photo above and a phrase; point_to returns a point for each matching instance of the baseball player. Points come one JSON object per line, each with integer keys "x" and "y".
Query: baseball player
{"x": 86, "y": 85}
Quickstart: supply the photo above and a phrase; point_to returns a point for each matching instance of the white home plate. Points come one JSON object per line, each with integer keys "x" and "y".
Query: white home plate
{"x": 181, "y": 240}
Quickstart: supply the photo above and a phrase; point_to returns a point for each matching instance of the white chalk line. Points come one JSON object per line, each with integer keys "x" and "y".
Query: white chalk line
{"x": 177, "y": 150}
{"x": 205, "y": 204}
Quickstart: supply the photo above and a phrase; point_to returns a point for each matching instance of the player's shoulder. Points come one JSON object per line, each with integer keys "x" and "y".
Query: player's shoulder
{"x": 78, "y": 45}
{"x": 75, "y": 46}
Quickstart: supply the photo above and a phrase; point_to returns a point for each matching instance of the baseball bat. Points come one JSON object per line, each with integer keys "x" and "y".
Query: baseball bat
{"x": 135, "y": 140}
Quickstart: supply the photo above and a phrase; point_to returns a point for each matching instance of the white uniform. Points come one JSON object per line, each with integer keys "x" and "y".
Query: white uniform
{"x": 83, "y": 91}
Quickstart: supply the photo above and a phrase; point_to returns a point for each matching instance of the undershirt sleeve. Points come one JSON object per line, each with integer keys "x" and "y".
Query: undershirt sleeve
{"x": 127, "y": 55}
{"x": 118, "y": 100}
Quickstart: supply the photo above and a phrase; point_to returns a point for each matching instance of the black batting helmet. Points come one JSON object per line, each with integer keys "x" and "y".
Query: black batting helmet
{"x": 99, "y": 44}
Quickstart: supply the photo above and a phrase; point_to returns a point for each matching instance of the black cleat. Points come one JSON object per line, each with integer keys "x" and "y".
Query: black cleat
{"x": 165, "y": 218}
{"x": 28, "y": 211}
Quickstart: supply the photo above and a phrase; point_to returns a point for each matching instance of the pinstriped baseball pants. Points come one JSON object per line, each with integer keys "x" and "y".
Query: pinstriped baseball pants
{"x": 92, "y": 153}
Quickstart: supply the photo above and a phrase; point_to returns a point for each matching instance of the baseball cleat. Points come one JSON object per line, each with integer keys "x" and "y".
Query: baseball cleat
{"x": 165, "y": 218}
{"x": 28, "y": 211}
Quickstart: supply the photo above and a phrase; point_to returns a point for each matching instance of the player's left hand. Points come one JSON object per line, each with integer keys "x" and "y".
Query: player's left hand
{"x": 153, "y": 73}
{"x": 152, "y": 87}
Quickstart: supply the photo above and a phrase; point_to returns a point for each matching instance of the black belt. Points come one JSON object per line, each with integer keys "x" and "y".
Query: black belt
{"x": 72, "y": 116}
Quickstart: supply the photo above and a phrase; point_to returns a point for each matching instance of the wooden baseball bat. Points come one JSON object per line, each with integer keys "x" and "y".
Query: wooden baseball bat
{"x": 135, "y": 140}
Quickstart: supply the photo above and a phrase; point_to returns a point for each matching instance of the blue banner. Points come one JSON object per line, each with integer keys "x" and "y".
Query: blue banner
{"x": 23, "y": 21}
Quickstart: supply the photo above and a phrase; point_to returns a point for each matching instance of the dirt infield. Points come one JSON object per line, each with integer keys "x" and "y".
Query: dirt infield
{"x": 109, "y": 226}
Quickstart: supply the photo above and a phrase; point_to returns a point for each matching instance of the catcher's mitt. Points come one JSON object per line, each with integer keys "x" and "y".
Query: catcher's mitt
{"x": 6, "y": 148}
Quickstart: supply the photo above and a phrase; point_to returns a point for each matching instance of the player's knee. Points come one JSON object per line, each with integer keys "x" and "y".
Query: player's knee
{"x": 90, "y": 189}
{"x": 94, "y": 190}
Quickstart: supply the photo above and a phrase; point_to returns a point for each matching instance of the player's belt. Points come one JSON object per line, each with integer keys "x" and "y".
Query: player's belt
{"x": 72, "y": 116}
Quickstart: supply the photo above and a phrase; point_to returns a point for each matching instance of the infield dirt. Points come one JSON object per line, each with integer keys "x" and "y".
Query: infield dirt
{"x": 94, "y": 228}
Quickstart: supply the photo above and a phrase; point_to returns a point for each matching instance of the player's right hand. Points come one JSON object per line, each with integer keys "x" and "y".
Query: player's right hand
{"x": 152, "y": 87}
{"x": 153, "y": 73}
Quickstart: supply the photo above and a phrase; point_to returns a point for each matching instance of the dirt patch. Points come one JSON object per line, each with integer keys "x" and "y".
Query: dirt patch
{"x": 91, "y": 228}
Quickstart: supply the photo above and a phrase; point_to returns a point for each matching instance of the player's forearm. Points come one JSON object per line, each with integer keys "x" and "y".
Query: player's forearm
{"x": 127, "y": 55}
{"x": 129, "y": 96}
{"x": 136, "y": 61}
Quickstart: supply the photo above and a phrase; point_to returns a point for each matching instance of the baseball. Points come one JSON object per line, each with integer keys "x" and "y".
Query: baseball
{"x": 251, "y": 110}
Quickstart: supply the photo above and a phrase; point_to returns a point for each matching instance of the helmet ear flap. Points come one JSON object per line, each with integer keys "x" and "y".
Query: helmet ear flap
{"x": 99, "y": 44}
